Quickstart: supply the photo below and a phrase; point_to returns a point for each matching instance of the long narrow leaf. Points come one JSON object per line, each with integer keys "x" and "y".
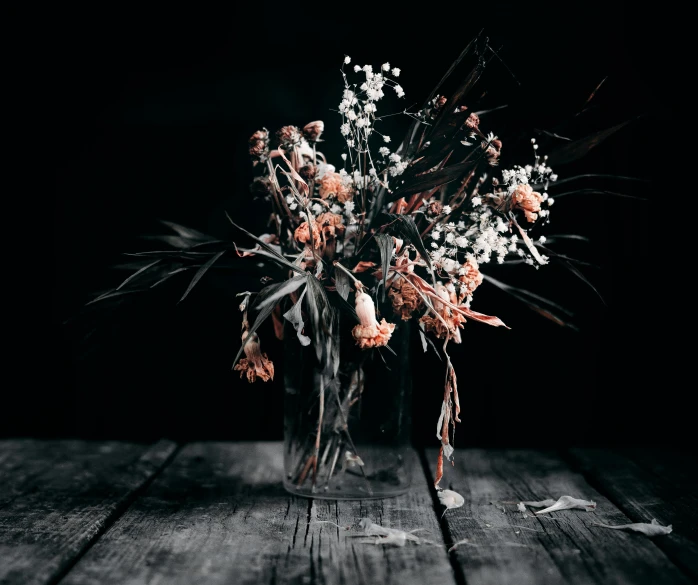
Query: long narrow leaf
{"x": 385, "y": 245}
{"x": 574, "y": 270}
{"x": 135, "y": 274}
{"x": 429, "y": 181}
{"x": 276, "y": 256}
{"x": 404, "y": 227}
{"x": 286, "y": 288}
{"x": 200, "y": 272}
{"x": 579, "y": 148}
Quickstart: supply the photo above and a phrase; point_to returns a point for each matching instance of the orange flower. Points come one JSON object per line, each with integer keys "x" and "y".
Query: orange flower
{"x": 450, "y": 323}
{"x": 330, "y": 224}
{"x": 332, "y": 184}
{"x": 525, "y": 198}
{"x": 471, "y": 277}
{"x": 302, "y": 234}
{"x": 369, "y": 332}
{"x": 256, "y": 364}
{"x": 406, "y": 300}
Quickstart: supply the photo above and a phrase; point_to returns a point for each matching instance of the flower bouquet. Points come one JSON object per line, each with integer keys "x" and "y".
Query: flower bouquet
{"x": 361, "y": 253}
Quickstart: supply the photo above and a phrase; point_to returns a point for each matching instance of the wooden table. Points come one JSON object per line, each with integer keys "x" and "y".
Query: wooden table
{"x": 78, "y": 512}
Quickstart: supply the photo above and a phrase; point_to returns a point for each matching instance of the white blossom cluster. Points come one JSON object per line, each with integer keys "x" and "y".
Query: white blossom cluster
{"x": 358, "y": 109}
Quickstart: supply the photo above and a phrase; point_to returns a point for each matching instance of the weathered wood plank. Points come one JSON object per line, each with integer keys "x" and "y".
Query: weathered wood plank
{"x": 663, "y": 488}
{"x": 504, "y": 547}
{"x": 57, "y": 496}
{"x": 219, "y": 514}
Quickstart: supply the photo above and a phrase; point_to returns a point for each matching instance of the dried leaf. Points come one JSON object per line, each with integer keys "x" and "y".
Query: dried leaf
{"x": 385, "y": 245}
{"x": 296, "y": 177}
{"x": 286, "y": 288}
{"x": 450, "y": 499}
{"x": 654, "y": 528}
{"x": 568, "y": 503}
{"x": 342, "y": 284}
{"x": 363, "y": 266}
{"x": 541, "y": 504}
{"x": 429, "y": 181}
{"x": 403, "y": 226}
{"x": 386, "y": 535}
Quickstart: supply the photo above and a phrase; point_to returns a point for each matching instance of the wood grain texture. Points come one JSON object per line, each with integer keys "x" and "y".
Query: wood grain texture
{"x": 654, "y": 486}
{"x": 57, "y": 496}
{"x": 504, "y": 547}
{"x": 219, "y": 514}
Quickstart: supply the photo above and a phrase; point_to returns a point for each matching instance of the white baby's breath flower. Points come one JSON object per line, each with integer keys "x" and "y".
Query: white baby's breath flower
{"x": 434, "y": 245}
{"x": 344, "y": 156}
{"x": 477, "y": 201}
{"x": 400, "y": 92}
{"x": 386, "y": 67}
{"x": 336, "y": 209}
{"x": 447, "y": 209}
{"x": 368, "y": 68}
{"x": 553, "y": 177}
{"x": 542, "y": 239}
{"x": 550, "y": 200}
{"x": 317, "y": 208}
{"x": 292, "y": 206}
{"x": 347, "y": 59}
{"x": 345, "y": 129}
{"x": 386, "y": 138}
{"x": 396, "y": 71}
{"x": 394, "y": 157}
{"x": 349, "y": 206}
{"x": 357, "y": 68}
{"x": 351, "y": 115}
{"x": 435, "y": 234}
{"x": 384, "y": 151}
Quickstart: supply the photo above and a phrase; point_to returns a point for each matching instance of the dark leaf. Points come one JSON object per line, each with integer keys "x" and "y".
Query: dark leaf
{"x": 286, "y": 288}
{"x": 295, "y": 316}
{"x": 385, "y": 245}
{"x": 429, "y": 181}
{"x": 579, "y": 148}
{"x": 403, "y": 226}
{"x": 200, "y": 272}
{"x": 187, "y": 232}
{"x": 342, "y": 283}
{"x": 574, "y": 270}
{"x": 274, "y": 254}
{"x": 171, "y": 274}
{"x": 135, "y": 274}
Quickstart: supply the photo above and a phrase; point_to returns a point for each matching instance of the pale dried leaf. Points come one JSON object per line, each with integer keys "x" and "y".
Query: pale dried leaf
{"x": 450, "y": 499}
{"x": 541, "y": 504}
{"x": 568, "y": 503}
{"x": 653, "y": 528}
{"x": 386, "y": 535}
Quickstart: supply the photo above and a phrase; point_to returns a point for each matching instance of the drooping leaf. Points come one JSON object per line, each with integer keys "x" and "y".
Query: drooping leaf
{"x": 186, "y": 232}
{"x": 286, "y": 288}
{"x": 274, "y": 254}
{"x": 385, "y": 245}
{"x": 569, "y": 503}
{"x": 652, "y": 528}
{"x": 295, "y": 316}
{"x": 574, "y": 270}
{"x": 200, "y": 272}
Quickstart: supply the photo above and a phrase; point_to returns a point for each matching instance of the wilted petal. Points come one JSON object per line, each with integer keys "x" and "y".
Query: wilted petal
{"x": 653, "y": 528}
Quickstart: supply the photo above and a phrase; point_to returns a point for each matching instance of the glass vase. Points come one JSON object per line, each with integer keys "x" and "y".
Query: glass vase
{"x": 349, "y": 436}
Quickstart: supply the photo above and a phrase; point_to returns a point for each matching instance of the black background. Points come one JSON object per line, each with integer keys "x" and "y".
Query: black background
{"x": 154, "y": 111}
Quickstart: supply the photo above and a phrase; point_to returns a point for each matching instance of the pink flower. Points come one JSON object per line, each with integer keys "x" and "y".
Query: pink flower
{"x": 369, "y": 332}
{"x": 255, "y": 364}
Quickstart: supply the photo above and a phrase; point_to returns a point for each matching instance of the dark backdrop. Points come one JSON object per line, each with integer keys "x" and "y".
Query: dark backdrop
{"x": 154, "y": 111}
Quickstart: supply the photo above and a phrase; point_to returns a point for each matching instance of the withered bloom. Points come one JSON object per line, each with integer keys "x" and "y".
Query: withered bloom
{"x": 255, "y": 364}
{"x": 470, "y": 276}
{"x": 308, "y": 172}
{"x": 261, "y": 188}
{"x": 331, "y": 224}
{"x": 259, "y": 146}
{"x": 447, "y": 327}
{"x": 406, "y": 300}
{"x": 493, "y": 149}
{"x": 302, "y": 234}
{"x": 473, "y": 121}
{"x": 312, "y": 131}
{"x": 288, "y": 137}
{"x": 332, "y": 184}
{"x": 369, "y": 332}
{"x": 435, "y": 208}
{"x": 528, "y": 200}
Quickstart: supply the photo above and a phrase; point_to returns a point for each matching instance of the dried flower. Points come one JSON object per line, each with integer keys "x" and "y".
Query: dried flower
{"x": 369, "y": 332}
{"x": 259, "y": 146}
{"x": 331, "y": 224}
{"x": 261, "y": 188}
{"x": 255, "y": 364}
{"x": 470, "y": 276}
{"x": 406, "y": 300}
{"x": 332, "y": 185}
{"x": 288, "y": 137}
{"x": 302, "y": 234}
{"x": 447, "y": 324}
{"x": 652, "y": 528}
{"x": 312, "y": 131}
{"x": 525, "y": 198}
{"x": 308, "y": 172}
{"x": 435, "y": 208}
{"x": 473, "y": 121}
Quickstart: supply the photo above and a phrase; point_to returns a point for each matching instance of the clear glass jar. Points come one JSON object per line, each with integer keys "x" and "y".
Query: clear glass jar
{"x": 363, "y": 449}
